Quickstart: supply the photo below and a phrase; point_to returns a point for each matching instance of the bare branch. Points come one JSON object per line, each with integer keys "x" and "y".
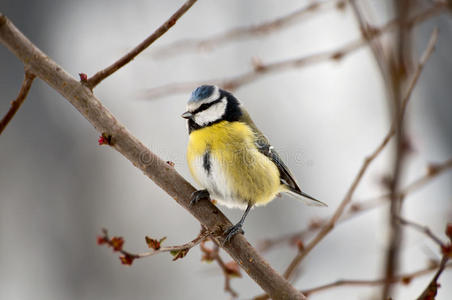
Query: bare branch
{"x": 405, "y": 279}
{"x": 348, "y": 197}
{"x": 420, "y": 66}
{"x": 374, "y": 44}
{"x": 433, "y": 170}
{"x": 178, "y": 251}
{"x": 430, "y": 291}
{"x": 245, "y": 32}
{"x": 356, "y": 209}
{"x": 101, "y": 75}
{"x": 214, "y": 255}
{"x": 15, "y": 105}
{"x": 164, "y": 175}
{"x": 399, "y": 64}
{"x": 201, "y": 237}
{"x": 421, "y": 228}
{"x": 260, "y": 70}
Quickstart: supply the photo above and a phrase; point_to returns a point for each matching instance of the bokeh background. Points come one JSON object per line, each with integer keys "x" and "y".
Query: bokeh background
{"x": 58, "y": 188}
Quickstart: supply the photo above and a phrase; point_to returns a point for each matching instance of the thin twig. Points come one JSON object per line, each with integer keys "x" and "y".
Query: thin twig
{"x": 158, "y": 170}
{"x": 420, "y": 66}
{"x": 102, "y": 74}
{"x": 430, "y": 291}
{"x": 214, "y": 254}
{"x": 204, "y": 234}
{"x": 348, "y": 197}
{"x": 405, "y": 279}
{"x": 15, "y": 105}
{"x": 201, "y": 237}
{"x": 245, "y": 32}
{"x": 263, "y": 69}
{"x": 374, "y": 44}
{"x": 360, "y": 207}
{"x": 421, "y": 228}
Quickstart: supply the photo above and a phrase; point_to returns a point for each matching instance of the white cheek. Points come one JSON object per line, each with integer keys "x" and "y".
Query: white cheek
{"x": 211, "y": 114}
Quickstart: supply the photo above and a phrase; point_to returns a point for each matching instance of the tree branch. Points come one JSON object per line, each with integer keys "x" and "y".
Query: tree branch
{"x": 178, "y": 251}
{"x": 262, "y": 69}
{"x": 421, "y": 228}
{"x": 399, "y": 64}
{"x": 405, "y": 279}
{"x": 15, "y": 105}
{"x": 430, "y": 291}
{"x": 374, "y": 44}
{"x": 348, "y": 197}
{"x": 102, "y": 74}
{"x": 165, "y": 176}
{"x": 433, "y": 170}
{"x": 228, "y": 271}
{"x": 245, "y": 32}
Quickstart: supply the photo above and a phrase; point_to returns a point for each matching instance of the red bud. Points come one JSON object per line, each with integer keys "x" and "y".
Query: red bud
{"x": 83, "y": 77}
{"x": 126, "y": 260}
{"x": 116, "y": 243}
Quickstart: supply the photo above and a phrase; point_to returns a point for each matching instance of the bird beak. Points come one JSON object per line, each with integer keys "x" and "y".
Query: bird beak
{"x": 187, "y": 115}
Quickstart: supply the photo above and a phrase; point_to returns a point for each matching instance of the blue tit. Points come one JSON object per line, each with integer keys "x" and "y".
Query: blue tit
{"x": 231, "y": 159}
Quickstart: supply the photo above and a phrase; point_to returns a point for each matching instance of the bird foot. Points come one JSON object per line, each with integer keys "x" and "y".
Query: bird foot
{"x": 198, "y": 195}
{"x": 232, "y": 231}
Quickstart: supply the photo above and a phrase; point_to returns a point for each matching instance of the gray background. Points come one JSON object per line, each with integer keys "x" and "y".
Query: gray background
{"x": 58, "y": 188}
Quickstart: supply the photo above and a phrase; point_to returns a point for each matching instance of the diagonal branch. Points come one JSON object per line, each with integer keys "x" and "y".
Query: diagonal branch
{"x": 375, "y": 45}
{"x": 404, "y": 278}
{"x": 356, "y": 209}
{"x": 213, "y": 254}
{"x": 102, "y": 74}
{"x": 430, "y": 291}
{"x": 246, "y": 32}
{"x": 15, "y": 105}
{"x": 348, "y": 197}
{"x": 261, "y": 69}
{"x": 164, "y": 175}
{"x": 178, "y": 251}
{"x": 421, "y": 228}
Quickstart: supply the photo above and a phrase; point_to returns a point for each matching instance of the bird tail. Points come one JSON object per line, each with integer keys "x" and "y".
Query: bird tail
{"x": 307, "y": 199}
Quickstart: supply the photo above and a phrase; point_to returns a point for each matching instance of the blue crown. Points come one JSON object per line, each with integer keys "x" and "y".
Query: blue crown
{"x": 202, "y": 92}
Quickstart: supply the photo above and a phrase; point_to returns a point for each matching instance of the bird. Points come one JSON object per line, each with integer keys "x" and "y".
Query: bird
{"x": 231, "y": 159}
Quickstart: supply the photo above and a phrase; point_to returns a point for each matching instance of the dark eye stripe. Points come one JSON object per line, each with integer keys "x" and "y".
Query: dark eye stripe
{"x": 205, "y": 106}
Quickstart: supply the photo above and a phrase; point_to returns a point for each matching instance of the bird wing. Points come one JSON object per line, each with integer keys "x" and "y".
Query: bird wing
{"x": 286, "y": 177}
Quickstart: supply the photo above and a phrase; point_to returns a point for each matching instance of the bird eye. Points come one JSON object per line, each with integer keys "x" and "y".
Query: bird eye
{"x": 206, "y": 106}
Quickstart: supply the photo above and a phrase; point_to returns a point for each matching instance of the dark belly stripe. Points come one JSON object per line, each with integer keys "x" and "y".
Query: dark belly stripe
{"x": 206, "y": 162}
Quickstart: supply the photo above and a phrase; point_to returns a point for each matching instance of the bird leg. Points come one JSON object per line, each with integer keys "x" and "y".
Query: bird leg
{"x": 237, "y": 228}
{"x": 198, "y": 195}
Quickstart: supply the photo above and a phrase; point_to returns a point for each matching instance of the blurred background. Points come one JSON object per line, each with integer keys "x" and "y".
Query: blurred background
{"x": 58, "y": 188}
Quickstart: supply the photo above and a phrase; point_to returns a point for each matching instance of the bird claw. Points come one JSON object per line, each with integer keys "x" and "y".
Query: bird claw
{"x": 198, "y": 195}
{"x": 232, "y": 231}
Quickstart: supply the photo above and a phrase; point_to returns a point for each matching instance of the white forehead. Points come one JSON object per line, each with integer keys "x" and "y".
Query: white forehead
{"x": 192, "y": 106}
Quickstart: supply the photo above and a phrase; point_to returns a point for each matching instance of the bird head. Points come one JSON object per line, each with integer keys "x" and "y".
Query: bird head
{"x": 209, "y": 104}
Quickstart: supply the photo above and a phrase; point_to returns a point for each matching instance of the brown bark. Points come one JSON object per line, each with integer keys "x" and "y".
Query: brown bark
{"x": 164, "y": 175}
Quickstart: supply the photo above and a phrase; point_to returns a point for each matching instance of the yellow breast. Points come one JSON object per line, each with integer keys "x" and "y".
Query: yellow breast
{"x": 239, "y": 172}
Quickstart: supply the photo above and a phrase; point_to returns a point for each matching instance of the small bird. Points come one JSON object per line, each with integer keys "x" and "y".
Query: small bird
{"x": 231, "y": 159}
